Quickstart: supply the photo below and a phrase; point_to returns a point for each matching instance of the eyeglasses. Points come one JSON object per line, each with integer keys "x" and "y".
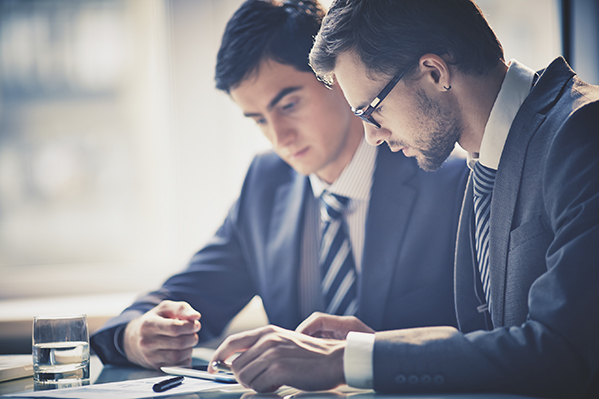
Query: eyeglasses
{"x": 366, "y": 113}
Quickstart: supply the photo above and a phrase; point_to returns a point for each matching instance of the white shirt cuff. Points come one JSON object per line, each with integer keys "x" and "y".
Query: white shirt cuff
{"x": 357, "y": 360}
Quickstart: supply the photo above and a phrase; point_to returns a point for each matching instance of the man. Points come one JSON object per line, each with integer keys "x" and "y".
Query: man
{"x": 269, "y": 243}
{"x": 527, "y": 270}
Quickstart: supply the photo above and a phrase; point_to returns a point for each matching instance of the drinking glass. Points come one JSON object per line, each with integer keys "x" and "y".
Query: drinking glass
{"x": 60, "y": 351}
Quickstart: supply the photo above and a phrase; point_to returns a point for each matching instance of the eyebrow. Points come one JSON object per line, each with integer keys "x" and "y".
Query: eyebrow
{"x": 361, "y": 106}
{"x": 276, "y": 99}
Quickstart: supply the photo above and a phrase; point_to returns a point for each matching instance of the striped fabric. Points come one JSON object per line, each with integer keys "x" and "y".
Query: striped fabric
{"x": 339, "y": 285}
{"x": 355, "y": 182}
{"x": 484, "y": 179}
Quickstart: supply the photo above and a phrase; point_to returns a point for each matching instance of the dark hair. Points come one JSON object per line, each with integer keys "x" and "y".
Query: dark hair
{"x": 391, "y": 35}
{"x": 266, "y": 29}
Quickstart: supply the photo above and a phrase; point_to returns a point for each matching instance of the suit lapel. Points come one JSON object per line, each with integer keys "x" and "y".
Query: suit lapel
{"x": 503, "y": 204}
{"x": 391, "y": 202}
{"x": 509, "y": 175}
{"x": 283, "y": 248}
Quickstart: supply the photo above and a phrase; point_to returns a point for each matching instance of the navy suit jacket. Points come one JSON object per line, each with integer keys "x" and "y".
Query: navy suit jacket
{"x": 407, "y": 266}
{"x": 544, "y": 264}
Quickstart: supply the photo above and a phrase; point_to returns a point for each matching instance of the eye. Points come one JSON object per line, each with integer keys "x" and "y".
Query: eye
{"x": 260, "y": 121}
{"x": 290, "y": 103}
{"x": 288, "y": 106}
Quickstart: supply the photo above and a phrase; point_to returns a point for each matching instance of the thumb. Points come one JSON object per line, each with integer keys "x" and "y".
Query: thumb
{"x": 314, "y": 325}
{"x": 190, "y": 314}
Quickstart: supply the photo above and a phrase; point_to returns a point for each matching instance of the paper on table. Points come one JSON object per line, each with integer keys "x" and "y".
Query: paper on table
{"x": 131, "y": 389}
{"x": 15, "y": 366}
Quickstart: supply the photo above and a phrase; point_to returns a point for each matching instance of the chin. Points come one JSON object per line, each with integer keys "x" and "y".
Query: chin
{"x": 429, "y": 165}
{"x": 431, "y": 160}
{"x": 302, "y": 169}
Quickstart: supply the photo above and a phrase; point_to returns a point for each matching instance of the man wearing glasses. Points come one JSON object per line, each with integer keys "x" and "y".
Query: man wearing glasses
{"x": 527, "y": 255}
{"x": 324, "y": 222}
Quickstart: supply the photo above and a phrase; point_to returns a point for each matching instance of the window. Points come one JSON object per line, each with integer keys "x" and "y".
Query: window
{"x": 113, "y": 170}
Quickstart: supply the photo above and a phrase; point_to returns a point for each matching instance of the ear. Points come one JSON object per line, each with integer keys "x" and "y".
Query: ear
{"x": 436, "y": 71}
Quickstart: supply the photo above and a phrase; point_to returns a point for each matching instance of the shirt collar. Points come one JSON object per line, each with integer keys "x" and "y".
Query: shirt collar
{"x": 355, "y": 181}
{"x": 514, "y": 90}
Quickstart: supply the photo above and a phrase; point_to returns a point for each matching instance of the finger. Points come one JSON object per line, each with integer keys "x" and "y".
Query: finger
{"x": 309, "y": 364}
{"x": 324, "y": 325}
{"x": 161, "y": 342}
{"x": 276, "y": 366}
{"x": 238, "y": 343}
{"x": 266, "y": 362}
{"x": 247, "y": 374}
{"x": 267, "y": 381}
{"x": 251, "y": 362}
{"x": 357, "y": 325}
{"x": 315, "y": 323}
{"x": 177, "y": 310}
{"x": 257, "y": 371}
{"x": 158, "y": 325}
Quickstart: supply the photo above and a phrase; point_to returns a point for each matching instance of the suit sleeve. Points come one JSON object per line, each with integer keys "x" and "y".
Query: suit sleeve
{"x": 217, "y": 282}
{"x": 555, "y": 353}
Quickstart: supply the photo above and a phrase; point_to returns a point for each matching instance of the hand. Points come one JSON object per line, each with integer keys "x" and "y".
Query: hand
{"x": 273, "y": 357}
{"x": 324, "y": 325}
{"x": 163, "y": 336}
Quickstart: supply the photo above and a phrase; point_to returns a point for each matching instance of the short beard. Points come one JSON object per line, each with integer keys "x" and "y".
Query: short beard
{"x": 442, "y": 132}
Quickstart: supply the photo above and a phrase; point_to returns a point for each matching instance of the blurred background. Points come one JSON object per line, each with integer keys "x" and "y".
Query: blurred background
{"x": 119, "y": 159}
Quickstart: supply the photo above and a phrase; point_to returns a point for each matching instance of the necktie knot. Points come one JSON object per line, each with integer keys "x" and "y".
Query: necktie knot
{"x": 484, "y": 179}
{"x": 332, "y": 206}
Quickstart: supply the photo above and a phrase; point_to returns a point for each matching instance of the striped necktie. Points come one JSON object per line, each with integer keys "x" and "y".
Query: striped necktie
{"x": 337, "y": 267}
{"x": 484, "y": 178}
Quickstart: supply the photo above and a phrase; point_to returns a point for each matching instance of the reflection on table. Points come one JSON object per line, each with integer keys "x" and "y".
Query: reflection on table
{"x": 100, "y": 374}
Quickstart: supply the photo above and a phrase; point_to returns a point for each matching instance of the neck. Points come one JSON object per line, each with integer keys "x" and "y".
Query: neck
{"x": 479, "y": 95}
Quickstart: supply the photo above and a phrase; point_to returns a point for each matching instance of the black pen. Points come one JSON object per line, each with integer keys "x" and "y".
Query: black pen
{"x": 167, "y": 384}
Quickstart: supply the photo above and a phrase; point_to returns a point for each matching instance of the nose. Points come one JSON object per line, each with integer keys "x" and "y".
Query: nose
{"x": 374, "y": 135}
{"x": 282, "y": 133}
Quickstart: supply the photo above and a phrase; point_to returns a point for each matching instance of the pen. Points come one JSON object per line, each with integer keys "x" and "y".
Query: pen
{"x": 167, "y": 384}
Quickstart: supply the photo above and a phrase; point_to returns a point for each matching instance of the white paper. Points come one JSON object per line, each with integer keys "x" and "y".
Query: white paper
{"x": 15, "y": 366}
{"x": 131, "y": 389}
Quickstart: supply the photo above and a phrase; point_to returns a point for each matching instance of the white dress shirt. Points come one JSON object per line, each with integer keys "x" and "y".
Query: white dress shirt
{"x": 357, "y": 361}
{"x": 514, "y": 90}
{"x": 354, "y": 182}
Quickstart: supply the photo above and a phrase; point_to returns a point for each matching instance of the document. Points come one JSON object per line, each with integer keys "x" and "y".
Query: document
{"x": 131, "y": 389}
{"x": 15, "y": 366}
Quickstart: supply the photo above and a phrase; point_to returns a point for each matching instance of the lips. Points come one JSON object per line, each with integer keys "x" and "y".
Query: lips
{"x": 407, "y": 151}
{"x": 299, "y": 153}
{"x": 396, "y": 149}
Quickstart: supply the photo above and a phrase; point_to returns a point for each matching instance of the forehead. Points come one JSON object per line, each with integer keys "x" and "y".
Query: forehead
{"x": 267, "y": 82}
{"x": 358, "y": 84}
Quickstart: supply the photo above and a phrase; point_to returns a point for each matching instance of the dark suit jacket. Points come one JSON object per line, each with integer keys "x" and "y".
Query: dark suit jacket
{"x": 407, "y": 266}
{"x": 544, "y": 264}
